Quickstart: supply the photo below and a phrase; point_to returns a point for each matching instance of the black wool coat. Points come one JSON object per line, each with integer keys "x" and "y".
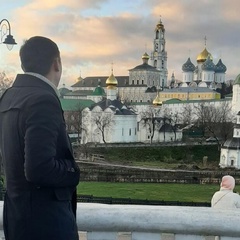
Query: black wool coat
{"x": 40, "y": 171}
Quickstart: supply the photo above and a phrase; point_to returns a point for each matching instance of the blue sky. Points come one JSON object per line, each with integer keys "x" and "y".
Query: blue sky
{"x": 92, "y": 34}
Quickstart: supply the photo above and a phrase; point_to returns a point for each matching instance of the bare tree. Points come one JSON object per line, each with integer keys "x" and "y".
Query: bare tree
{"x": 215, "y": 121}
{"x": 75, "y": 123}
{"x": 5, "y": 82}
{"x": 104, "y": 122}
{"x": 187, "y": 115}
{"x": 151, "y": 121}
{"x": 173, "y": 120}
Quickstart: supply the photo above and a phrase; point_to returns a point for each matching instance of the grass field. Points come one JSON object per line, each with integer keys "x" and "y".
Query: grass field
{"x": 158, "y": 157}
{"x": 151, "y": 191}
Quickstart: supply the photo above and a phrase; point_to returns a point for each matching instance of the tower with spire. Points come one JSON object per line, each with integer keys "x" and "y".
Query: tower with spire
{"x": 159, "y": 54}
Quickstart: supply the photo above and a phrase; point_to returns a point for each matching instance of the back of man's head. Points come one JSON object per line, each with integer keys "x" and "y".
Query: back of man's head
{"x": 37, "y": 55}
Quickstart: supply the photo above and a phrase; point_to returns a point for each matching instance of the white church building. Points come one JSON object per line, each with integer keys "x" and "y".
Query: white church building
{"x": 230, "y": 151}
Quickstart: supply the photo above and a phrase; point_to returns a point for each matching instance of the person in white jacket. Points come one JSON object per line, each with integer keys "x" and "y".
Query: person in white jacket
{"x": 225, "y": 198}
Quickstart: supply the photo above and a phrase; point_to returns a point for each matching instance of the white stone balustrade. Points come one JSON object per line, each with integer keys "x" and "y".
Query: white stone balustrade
{"x": 141, "y": 222}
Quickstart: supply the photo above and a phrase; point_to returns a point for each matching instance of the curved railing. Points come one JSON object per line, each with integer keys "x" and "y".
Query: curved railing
{"x": 137, "y": 222}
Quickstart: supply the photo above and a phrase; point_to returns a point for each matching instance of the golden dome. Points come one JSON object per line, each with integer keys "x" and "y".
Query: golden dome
{"x": 111, "y": 80}
{"x": 145, "y": 56}
{"x": 160, "y": 26}
{"x": 203, "y": 56}
{"x": 157, "y": 100}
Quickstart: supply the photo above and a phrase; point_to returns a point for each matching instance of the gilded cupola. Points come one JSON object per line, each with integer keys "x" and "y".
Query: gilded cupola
{"x": 157, "y": 101}
{"x": 203, "y": 56}
{"x": 145, "y": 57}
{"x": 111, "y": 81}
{"x": 160, "y": 26}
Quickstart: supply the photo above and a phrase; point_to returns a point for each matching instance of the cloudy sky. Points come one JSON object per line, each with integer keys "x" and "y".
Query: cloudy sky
{"x": 95, "y": 33}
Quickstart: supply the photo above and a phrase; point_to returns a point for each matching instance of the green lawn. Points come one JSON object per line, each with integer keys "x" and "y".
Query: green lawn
{"x": 150, "y": 191}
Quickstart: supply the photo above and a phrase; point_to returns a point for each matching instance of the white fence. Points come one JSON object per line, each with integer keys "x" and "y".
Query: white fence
{"x": 141, "y": 222}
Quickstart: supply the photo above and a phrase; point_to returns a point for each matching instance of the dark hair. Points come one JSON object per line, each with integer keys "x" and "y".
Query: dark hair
{"x": 37, "y": 55}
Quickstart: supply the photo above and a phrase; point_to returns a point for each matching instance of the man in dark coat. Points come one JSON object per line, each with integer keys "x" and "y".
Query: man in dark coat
{"x": 41, "y": 174}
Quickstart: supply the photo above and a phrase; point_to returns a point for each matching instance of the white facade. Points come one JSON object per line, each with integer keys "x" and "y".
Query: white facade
{"x": 229, "y": 158}
{"x": 236, "y": 98}
{"x": 230, "y": 154}
{"x": 120, "y": 128}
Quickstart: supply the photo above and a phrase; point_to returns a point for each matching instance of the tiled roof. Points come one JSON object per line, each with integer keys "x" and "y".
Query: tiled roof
{"x": 117, "y": 105}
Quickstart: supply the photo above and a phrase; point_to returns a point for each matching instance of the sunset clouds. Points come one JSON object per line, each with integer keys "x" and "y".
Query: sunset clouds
{"x": 92, "y": 34}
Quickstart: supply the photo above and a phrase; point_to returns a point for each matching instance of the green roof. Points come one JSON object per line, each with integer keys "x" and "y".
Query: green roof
{"x": 173, "y": 100}
{"x": 99, "y": 91}
{"x": 237, "y": 80}
{"x": 75, "y": 104}
{"x": 196, "y": 101}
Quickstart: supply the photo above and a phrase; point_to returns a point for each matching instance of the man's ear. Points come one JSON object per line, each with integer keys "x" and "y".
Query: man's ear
{"x": 57, "y": 64}
{"x": 23, "y": 68}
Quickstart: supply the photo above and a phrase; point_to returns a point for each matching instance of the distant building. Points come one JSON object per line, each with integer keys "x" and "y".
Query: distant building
{"x": 124, "y": 98}
{"x": 230, "y": 154}
{"x": 205, "y": 73}
{"x": 143, "y": 81}
{"x": 189, "y": 93}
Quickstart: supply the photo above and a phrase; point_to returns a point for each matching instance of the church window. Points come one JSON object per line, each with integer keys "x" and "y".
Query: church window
{"x": 157, "y": 34}
{"x": 132, "y": 82}
{"x": 138, "y": 124}
{"x": 142, "y": 81}
{"x": 155, "y": 63}
{"x": 122, "y": 131}
{"x": 135, "y": 131}
{"x": 130, "y": 132}
{"x": 232, "y": 162}
{"x": 137, "y": 82}
{"x": 153, "y": 83}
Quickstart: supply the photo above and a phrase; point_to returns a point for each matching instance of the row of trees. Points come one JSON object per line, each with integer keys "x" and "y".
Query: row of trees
{"x": 211, "y": 120}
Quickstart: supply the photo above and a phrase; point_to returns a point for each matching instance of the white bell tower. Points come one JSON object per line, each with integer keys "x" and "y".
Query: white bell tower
{"x": 159, "y": 54}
